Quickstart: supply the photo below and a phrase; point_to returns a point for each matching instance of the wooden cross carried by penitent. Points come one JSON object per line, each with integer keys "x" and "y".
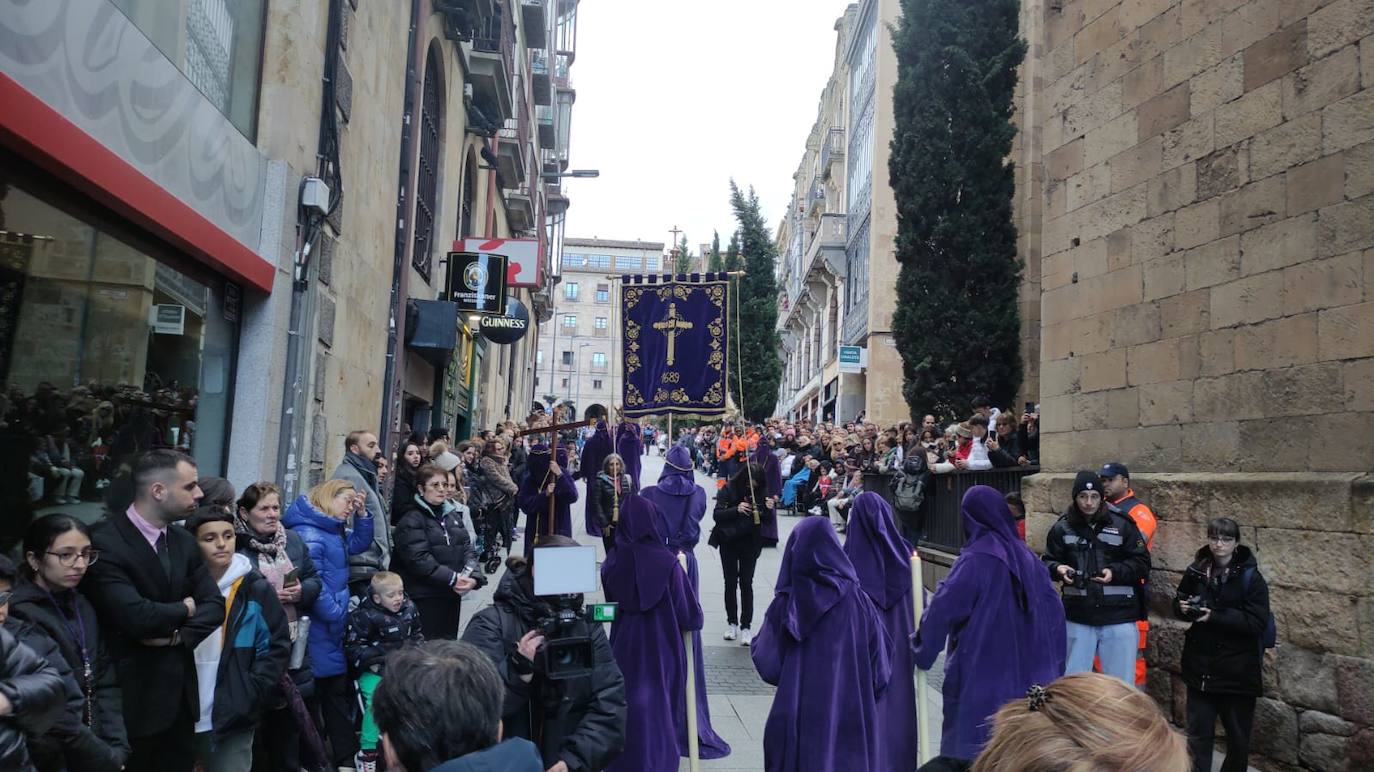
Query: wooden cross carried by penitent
{"x": 672, "y": 326}
{"x": 553, "y": 459}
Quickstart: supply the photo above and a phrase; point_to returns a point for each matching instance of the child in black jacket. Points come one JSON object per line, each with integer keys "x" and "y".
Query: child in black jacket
{"x": 384, "y": 622}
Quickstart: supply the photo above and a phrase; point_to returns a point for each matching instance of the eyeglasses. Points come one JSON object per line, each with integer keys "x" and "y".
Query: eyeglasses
{"x": 1222, "y": 539}
{"x": 68, "y": 559}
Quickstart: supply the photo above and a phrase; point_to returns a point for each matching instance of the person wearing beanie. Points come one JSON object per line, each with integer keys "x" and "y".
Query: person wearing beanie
{"x": 1099, "y": 557}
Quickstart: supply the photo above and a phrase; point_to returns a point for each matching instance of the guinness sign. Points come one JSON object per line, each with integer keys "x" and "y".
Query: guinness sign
{"x": 508, "y": 328}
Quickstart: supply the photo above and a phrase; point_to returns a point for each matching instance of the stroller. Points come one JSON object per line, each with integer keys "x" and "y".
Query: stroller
{"x": 492, "y": 521}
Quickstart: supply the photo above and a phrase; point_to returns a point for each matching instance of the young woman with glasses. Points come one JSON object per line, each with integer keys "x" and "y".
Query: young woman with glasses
{"x": 57, "y": 553}
{"x": 1226, "y": 599}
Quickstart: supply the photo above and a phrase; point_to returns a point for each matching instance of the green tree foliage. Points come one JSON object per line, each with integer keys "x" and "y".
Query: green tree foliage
{"x": 684, "y": 260}
{"x": 752, "y": 249}
{"x": 714, "y": 261}
{"x": 731, "y": 261}
{"x": 956, "y": 324}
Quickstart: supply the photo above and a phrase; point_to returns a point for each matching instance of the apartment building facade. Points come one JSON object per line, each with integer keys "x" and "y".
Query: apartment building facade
{"x": 578, "y": 356}
{"x": 837, "y": 265}
{"x": 162, "y": 238}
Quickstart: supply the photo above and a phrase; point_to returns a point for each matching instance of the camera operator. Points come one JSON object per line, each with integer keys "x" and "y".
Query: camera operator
{"x": 578, "y": 723}
{"x": 1226, "y": 598}
{"x": 1098, "y": 554}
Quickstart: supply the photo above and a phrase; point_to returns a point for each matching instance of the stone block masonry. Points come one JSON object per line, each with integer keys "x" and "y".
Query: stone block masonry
{"x": 1206, "y": 273}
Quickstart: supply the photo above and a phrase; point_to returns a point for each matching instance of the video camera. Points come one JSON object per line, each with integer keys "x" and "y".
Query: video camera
{"x": 565, "y": 574}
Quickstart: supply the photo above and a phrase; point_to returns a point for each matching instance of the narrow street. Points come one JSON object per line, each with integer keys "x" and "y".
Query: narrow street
{"x": 740, "y": 700}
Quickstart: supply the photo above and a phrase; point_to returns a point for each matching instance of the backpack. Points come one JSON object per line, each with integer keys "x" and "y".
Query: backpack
{"x": 909, "y": 492}
{"x": 1271, "y": 628}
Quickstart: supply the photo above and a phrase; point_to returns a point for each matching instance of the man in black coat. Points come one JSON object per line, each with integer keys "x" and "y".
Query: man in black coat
{"x": 578, "y": 723}
{"x": 156, "y": 602}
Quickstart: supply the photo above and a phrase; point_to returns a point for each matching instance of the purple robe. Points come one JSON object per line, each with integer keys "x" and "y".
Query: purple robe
{"x": 1004, "y": 621}
{"x": 823, "y": 644}
{"x": 656, "y": 607}
{"x": 772, "y": 469}
{"x": 594, "y": 453}
{"x": 630, "y": 445}
{"x": 535, "y": 503}
{"x": 882, "y": 560}
{"x": 681, "y": 504}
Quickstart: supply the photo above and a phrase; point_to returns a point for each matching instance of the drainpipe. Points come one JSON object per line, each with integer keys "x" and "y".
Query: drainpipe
{"x": 391, "y": 391}
{"x": 309, "y": 228}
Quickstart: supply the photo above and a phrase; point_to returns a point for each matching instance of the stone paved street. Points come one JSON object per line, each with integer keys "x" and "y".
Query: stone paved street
{"x": 739, "y": 699}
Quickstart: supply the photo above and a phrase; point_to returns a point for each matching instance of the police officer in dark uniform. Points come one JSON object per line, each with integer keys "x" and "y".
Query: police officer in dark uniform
{"x": 1099, "y": 556}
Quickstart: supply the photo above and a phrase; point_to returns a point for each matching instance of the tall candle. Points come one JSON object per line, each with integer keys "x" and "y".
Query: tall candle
{"x": 918, "y": 602}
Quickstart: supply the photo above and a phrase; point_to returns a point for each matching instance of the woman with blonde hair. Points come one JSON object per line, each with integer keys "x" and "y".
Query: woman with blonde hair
{"x": 321, "y": 518}
{"x": 1084, "y": 722}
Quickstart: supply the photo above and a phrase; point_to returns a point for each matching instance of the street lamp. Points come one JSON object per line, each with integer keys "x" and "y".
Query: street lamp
{"x": 577, "y": 374}
{"x": 581, "y": 174}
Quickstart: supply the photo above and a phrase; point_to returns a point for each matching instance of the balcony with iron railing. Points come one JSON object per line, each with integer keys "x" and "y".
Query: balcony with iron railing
{"x": 544, "y": 119}
{"x": 535, "y": 22}
{"x": 491, "y": 63}
{"x": 832, "y": 150}
{"x": 815, "y": 196}
{"x": 541, "y": 79}
{"x": 826, "y": 248}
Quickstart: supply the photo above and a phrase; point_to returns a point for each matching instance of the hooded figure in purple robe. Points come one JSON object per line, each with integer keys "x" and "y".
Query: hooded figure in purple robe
{"x": 823, "y": 645}
{"x": 629, "y": 443}
{"x": 534, "y": 498}
{"x": 681, "y": 505}
{"x": 772, "y": 468}
{"x": 594, "y": 453}
{"x": 1003, "y": 619}
{"x": 656, "y": 606}
{"x": 882, "y": 561}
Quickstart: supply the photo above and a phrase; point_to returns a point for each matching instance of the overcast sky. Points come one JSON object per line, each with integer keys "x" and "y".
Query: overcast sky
{"x": 675, "y": 98}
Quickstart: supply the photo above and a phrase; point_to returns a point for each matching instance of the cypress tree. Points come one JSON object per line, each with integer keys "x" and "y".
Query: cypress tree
{"x": 714, "y": 262}
{"x": 683, "y": 263}
{"x": 752, "y": 249}
{"x": 956, "y": 324}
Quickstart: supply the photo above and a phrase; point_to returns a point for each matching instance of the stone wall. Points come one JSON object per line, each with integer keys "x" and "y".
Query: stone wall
{"x": 1206, "y": 241}
{"x": 1207, "y": 279}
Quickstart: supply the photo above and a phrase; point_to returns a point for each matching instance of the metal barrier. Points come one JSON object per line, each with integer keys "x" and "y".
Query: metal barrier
{"x": 944, "y": 526}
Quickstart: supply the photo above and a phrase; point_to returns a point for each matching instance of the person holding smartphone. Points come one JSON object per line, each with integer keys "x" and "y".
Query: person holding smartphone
{"x": 1098, "y": 556}
{"x": 280, "y": 555}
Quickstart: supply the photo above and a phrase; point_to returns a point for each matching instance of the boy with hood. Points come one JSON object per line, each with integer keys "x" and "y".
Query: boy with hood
{"x": 384, "y": 622}
{"x": 237, "y": 665}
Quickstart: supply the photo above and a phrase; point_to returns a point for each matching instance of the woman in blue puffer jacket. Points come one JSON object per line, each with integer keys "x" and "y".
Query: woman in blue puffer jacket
{"x": 321, "y": 519}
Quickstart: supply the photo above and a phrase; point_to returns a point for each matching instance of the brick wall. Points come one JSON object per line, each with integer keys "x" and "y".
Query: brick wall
{"x": 1205, "y": 238}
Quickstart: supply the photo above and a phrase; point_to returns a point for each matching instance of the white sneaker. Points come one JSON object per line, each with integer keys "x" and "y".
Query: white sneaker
{"x": 732, "y": 633}
{"x": 746, "y": 637}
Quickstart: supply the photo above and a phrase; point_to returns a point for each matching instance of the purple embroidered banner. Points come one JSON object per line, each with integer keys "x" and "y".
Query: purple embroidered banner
{"x": 674, "y": 344}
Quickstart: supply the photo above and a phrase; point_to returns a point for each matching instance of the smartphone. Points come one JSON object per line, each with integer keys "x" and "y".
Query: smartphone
{"x": 292, "y": 578}
{"x": 1030, "y": 407}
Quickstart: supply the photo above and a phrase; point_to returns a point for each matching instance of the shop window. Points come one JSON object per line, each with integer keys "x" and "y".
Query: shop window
{"x": 217, "y": 45}
{"x": 106, "y": 352}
